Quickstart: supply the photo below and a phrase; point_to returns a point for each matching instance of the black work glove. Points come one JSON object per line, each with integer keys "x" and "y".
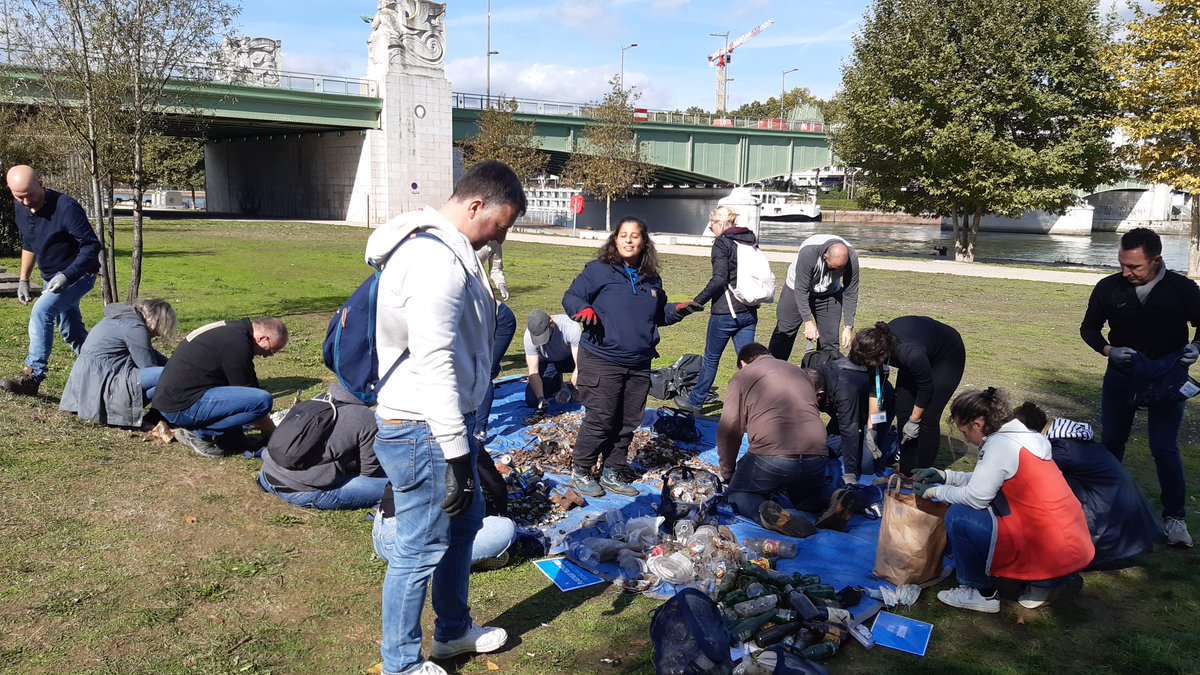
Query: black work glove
{"x": 690, "y": 307}
{"x": 460, "y": 486}
{"x": 542, "y": 406}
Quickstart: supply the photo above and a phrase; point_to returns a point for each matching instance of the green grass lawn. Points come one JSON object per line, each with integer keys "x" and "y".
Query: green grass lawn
{"x": 119, "y": 555}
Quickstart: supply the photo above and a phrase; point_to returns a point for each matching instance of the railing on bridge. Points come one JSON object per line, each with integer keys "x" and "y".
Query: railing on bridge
{"x": 531, "y": 106}
{"x": 225, "y": 74}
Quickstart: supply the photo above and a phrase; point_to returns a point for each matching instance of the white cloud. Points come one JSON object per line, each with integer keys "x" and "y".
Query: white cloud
{"x": 552, "y": 82}
{"x": 841, "y": 33}
{"x": 668, "y": 6}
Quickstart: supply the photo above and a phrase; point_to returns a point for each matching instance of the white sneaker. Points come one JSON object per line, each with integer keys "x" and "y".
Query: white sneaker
{"x": 427, "y": 668}
{"x": 477, "y": 639}
{"x": 1035, "y": 596}
{"x": 1177, "y": 534}
{"x": 965, "y": 597}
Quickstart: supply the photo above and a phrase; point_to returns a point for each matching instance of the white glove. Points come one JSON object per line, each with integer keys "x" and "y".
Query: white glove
{"x": 850, "y": 478}
{"x": 503, "y": 288}
{"x": 24, "y": 295}
{"x": 1121, "y": 355}
{"x": 912, "y": 428}
{"x": 56, "y": 284}
{"x": 871, "y": 440}
{"x": 1190, "y": 354}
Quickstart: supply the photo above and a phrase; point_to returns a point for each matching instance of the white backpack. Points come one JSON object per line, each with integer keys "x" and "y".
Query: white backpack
{"x": 755, "y": 284}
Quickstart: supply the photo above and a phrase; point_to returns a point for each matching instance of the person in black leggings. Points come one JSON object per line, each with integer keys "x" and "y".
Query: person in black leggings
{"x": 931, "y": 359}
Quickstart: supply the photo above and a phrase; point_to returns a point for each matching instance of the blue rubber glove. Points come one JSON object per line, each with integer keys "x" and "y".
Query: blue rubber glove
{"x": 929, "y": 475}
{"x": 1190, "y": 354}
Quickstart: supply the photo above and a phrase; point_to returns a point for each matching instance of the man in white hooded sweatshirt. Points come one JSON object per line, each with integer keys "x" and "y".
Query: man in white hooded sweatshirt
{"x": 434, "y": 328}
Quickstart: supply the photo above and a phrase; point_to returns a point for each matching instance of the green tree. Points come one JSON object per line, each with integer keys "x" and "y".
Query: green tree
{"x": 1158, "y": 67}
{"x": 608, "y": 160}
{"x": 175, "y": 163}
{"x": 965, "y": 107}
{"x": 22, "y": 141}
{"x": 108, "y": 68}
{"x": 502, "y": 137}
{"x": 769, "y": 109}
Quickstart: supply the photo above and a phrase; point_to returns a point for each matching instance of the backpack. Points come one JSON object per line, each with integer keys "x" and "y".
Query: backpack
{"x": 819, "y": 357}
{"x": 689, "y": 636}
{"x": 299, "y": 440}
{"x": 349, "y": 350}
{"x": 754, "y": 283}
{"x": 677, "y": 425}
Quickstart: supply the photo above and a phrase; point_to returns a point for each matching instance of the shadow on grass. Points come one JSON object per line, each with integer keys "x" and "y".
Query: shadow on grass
{"x": 327, "y": 304}
{"x": 542, "y": 607}
{"x": 283, "y": 386}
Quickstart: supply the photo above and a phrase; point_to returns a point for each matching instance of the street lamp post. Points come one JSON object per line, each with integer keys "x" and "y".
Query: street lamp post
{"x": 621, "y": 80}
{"x": 782, "y": 88}
{"x": 490, "y": 53}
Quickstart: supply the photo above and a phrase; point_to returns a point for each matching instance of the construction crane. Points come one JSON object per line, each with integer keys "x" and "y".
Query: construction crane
{"x": 720, "y": 58}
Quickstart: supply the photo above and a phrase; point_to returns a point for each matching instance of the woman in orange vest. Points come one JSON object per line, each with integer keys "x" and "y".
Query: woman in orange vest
{"x": 1014, "y": 516}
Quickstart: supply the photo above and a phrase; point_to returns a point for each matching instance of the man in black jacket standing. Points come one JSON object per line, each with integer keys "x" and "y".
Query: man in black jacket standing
{"x": 1148, "y": 309}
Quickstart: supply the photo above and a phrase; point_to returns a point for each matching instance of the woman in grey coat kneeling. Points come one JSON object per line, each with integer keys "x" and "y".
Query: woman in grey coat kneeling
{"x": 117, "y": 369}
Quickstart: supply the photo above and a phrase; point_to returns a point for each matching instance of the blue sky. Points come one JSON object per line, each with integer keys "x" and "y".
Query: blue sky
{"x": 566, "y": 50}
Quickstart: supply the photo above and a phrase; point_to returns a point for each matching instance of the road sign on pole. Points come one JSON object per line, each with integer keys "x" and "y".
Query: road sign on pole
{"x": 576, "y": 204}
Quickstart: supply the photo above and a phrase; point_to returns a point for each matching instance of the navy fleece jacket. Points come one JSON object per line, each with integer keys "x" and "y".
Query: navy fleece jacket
{"x": 630, "y": 308}
{"x": 60, "y": 236}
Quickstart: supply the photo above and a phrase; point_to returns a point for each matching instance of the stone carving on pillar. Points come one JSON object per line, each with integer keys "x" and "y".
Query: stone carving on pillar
{"x": 408, "y": 33}
{"x": 252, "y": 61}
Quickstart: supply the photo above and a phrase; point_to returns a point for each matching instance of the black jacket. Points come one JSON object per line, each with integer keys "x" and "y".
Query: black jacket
{"x": 724, "y": 272}
{"x": 1155, "y": 328}
{"x": 217, "y": 355}
{"x": 923, "y": 342}
{"x": 847, "y": 388}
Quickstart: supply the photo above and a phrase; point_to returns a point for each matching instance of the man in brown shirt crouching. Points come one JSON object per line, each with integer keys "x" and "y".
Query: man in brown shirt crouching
{"x": 774, "y": 404}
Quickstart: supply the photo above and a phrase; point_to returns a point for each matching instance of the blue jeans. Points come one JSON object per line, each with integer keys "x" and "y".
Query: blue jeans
{"x": 360, "y": 492}
{"x": 494, "y": 538}
{"x": 430, "y": 543}
{"x": 506, "y": 328}
{"x": 969, "y": 533}
{"x": 149, "y": 377}
{"x": 721, "y": 329}
{"x": 222, "y": 409}
{"x": 758, "y": 477}
{"x": 1162, "y": 422}
{"x": 62, "y": 307}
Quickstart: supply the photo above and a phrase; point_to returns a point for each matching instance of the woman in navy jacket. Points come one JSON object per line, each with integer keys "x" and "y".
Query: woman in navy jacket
{"x": 620, "y": 301}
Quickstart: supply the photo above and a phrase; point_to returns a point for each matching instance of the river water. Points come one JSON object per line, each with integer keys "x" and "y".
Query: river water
{"x": 1098, "y": 250}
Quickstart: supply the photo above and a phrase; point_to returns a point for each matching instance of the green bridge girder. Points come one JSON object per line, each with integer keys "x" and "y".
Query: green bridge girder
{"x": 684, "y": 153}
{"x": 687, "y": 153}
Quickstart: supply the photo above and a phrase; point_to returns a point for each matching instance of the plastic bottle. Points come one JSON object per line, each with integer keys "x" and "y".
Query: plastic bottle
{"x": 631, "y": 565}
{"x": 684, "y": 529}
{"x": 820, "y": 651}
{"x": 700, "y": 542}
{"x": 584, "y": 555}
{"x": 771, "y": 547}
{"x": 616, "y": 523}
{"x": 756, "y": 606}
{"x": 606, "y": 550}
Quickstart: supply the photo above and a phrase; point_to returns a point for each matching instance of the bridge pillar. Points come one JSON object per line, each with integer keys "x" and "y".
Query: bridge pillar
{"x": 411, "y": 154}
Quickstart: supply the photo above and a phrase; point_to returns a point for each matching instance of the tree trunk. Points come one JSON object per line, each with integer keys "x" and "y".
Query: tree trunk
{"x": 972, "y": 234}
{"x": 958, "y": 223}
{"x": 1194, "y": 242}
{"x": 135, "y": 257}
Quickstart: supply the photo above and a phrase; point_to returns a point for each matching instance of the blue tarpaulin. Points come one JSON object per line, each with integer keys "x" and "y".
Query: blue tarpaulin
{"x": 839, "y": 558}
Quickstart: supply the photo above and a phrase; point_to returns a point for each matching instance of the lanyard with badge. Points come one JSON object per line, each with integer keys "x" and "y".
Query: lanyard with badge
{"x": 881, "y": 416}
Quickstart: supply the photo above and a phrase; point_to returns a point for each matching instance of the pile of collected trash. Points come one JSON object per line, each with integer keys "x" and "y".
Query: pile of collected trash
{"x": 553, "y": 440}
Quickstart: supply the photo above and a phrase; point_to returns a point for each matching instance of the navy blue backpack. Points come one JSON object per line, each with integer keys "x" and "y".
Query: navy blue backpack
{"x": 350, "y": 351}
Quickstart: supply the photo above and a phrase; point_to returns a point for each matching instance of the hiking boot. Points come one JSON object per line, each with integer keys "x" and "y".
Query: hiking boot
{"x": 1035, "y": 596}
{"x": 201, "y": 446}
{"x": 478, "y": 640}
{"x": 583, "y": 481}
{"x": 965, "y": 597}
{"x": 774, "y": 517}
{"x": 683, "y": 403}
{"x": 838, "y": 514}
{"x": 612, "y": 482}
{"x": 1177, "y": 533}
{"x": 24, "y": 384}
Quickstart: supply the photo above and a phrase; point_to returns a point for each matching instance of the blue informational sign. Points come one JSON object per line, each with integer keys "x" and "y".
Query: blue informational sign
{"x": 900, "y": 633}
{"x": 565, "y": 574}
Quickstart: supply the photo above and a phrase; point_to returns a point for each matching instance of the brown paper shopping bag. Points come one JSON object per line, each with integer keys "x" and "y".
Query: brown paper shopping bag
{"x": 912, "y": 537}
